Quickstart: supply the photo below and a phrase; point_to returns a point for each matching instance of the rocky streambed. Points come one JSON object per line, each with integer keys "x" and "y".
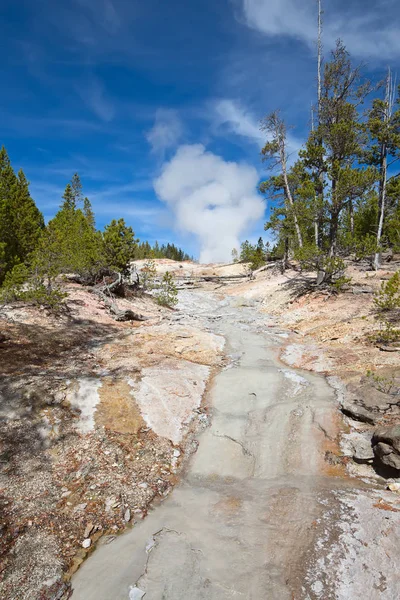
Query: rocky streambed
{"x": 266, "y": 507}
{"x": 94, "y": 417}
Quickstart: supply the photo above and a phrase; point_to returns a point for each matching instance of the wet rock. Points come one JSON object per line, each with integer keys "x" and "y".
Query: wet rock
{"x": 358, "y": 413}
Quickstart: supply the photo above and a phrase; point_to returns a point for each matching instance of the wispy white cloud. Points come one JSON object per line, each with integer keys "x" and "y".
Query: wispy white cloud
{"x": 93, "y": 94}
{"x": 238, "y": 120}
{"x": 166, "y": 132}
{"x": 362, "y": 27}
{"x": 211, "y": 198}
{"x": 233, "y": 115}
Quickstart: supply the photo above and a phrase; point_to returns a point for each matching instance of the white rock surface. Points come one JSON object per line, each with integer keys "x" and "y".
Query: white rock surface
{"x": 167, "y": 396}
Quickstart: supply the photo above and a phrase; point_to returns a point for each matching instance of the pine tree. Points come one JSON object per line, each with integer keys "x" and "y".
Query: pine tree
{"x": 119, "y": 245}
{"x": 76, "y": 189}
{"x": 89, "y": 214}
{"x": 21, "y": 222}
{"x": 68, "y": 196}
{"x": 28, "y": 220}
{"x": 73, "y": 229}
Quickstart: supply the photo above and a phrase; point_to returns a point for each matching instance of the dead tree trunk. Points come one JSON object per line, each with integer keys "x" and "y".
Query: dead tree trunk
{"x": 283, "y": 159}
{"x": 389, "y": 100}
{"x": 106, "y": 294}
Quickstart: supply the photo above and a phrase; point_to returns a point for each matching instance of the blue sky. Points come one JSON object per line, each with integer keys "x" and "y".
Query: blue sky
{"x": 156, "y": 104}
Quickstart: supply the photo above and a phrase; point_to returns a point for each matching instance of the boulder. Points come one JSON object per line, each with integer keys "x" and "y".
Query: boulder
{"x": 358, "y": 413}
{"x": 386, "y": 446}
{"x": 363, "y": 451}
{"x": 388, "y": 435}
{"x": 382, "y": 449}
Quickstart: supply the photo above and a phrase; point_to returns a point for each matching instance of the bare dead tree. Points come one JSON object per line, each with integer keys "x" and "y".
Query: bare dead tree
{"x": 276, "y": 151}
{"x": 319, "y": 53}
{"x": 319, "y": 194}
{"x": 390, "y": 90}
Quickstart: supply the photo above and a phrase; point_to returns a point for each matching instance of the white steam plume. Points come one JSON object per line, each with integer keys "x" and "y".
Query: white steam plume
{"x": 211, "y": 198}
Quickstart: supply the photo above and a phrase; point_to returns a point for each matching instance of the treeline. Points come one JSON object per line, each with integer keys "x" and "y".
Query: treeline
{"x": 33, "y": 254}
{"x": 145, "y": 250}
{"x": 341, "y": 197}
{"x": 254, "y": 254}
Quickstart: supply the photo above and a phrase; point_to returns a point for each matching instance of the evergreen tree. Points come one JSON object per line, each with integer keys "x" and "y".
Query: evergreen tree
{"x": 69, "y": 200}
{"x": 89, "y": 214}
{"x": 28, "y": 220}
{"x": 119, "y": 245}
{"x": 76, "y": 189}
{"x": 73, "y": 231}
{"x": 21, "y": 222}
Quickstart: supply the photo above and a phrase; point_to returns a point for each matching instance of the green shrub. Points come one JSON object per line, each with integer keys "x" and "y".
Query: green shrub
{"x": 332, "y": 268}
{"x": 148, "y": 275}
{"x": 387, "y": 304}
{"x": 14, "y": 282}
{"x": 388, "y": 296}
{"x": 167, "y": 294}
{"x": 386, "y": 385}
{"x": 21, "y": 284}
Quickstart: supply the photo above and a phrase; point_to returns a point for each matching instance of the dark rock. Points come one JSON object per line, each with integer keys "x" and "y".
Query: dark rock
{"x": 358, "y": 413}
{"x": 388, "y": 435}
{"x": 382, "y": 449}
{"x": 386, "y": 445}
{"x": 391, "y": 460}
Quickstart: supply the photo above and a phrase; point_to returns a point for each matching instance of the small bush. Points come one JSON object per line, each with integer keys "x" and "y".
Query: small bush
{"x": 388, "y": 297}
{"x": 386, "y": 385}
{"x": 167, "y": 294}
{"x": 332, "y": 268}
{"x": 387, "y": 304}
{"x": 14, "y": 282}
{"x": 20, "y": 285}
{"x": 148, "y": 275}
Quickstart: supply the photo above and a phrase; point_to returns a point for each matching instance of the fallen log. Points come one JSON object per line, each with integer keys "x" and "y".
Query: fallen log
{"x": 265, "y": 268}
{"x": 118, "y": 314}
{"x": 128, "y": 315}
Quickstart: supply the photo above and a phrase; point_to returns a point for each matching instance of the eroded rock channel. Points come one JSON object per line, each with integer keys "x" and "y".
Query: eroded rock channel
{"x": 263, "y": 509}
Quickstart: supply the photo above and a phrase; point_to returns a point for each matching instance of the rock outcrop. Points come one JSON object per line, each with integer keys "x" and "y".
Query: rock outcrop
{"x": 386, "y": 446}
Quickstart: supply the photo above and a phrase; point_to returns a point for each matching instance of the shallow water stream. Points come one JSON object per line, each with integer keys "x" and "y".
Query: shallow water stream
{"x": 259, "y": 514}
